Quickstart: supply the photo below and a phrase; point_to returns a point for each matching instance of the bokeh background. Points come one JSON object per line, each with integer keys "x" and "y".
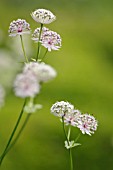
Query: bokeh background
{"x": 85, "y": 78}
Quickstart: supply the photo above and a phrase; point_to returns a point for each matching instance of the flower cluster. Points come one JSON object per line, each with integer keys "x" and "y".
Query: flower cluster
{"x": 19, "y": 27}
{"x": 27, "y": 84}
{"x": 85, "y": 122}
{"x": 43, "y": 16}
{"x": 49, "y": 39}
{"x": 2, "y": 95}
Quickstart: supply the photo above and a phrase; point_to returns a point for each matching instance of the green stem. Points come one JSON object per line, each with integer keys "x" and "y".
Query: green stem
{"x": 26, "y": 59}
{"x": 19, "y": 133}
{"x": 71, "y": 159}
{"x": 38, "y": 50}
{"x": 64, "y": 130}
{"x": 67, "y": 138}
{"x": 69, "y": 132}
{"x": 77, "y": 137}
{"x": 12, "y": 134}
{"x": 44, "y": 54}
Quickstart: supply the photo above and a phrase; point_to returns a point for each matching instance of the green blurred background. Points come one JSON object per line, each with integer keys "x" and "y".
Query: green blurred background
{"x": 85, "y": 78}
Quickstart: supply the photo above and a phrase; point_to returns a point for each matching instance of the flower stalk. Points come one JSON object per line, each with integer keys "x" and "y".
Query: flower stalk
{"x": 38, "y": 50}
{"x": 26, "y": 59}
{"x": 12, "y": 134}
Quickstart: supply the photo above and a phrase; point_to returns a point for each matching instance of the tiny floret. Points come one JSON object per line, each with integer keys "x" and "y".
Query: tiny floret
{"x": 19, "y": 27}
{"x": 62, "y": 108}
{"x": 26, "y": 85}
{"x": 43, "y": 16}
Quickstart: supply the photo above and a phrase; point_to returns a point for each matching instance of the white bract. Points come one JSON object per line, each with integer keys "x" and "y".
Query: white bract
{"x": 26, "y": 85}
{"x": 43, "y": 16}
{"x": 71, "y": 144}
{"x": 32, "y": 108}
{"x": 19, "y": 27}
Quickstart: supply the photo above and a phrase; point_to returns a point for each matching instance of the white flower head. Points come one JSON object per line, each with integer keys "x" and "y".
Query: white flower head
{"x": 87, "y": 124}
{"x": 51, "y": 40}
{"x": 43, "y": 16}
{"x": 72, "y": 118}
{"x": 62, "y": 108}
{"x": 31, "y": 68}
{"x": 45, "y": 72}
{"x": 26, "y": 85}
{"x": 35, "y": 35}
{"x": 42, "y": 71}
{"x": 2, "y": 96}
{"x": 19, "y": 27}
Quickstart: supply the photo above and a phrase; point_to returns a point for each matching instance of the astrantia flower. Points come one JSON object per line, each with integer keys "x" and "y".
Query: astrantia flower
{"x": 43, "y": 16}
{"x": 62, "y": 108}
{"x": 42, "y": 71}
{"x": 87, "y": 124}
{"x": 72, "y": 118}
{"x": 51, "y": 40}
{"x": 26, "y": 85}
{"x": 2, "y": 95}
{"x": 19, "y": 27}
{"x": 35, "y": 35}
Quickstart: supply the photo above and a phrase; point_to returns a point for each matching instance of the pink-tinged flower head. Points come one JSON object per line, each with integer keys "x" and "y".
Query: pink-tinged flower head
{"x": 62, "y": 108}
{"x": 26, "y": 85}
{"x": 51, "y": 40}
{"x": 72, "y": 118}
{"x": 19, "y": 27}
{"x": 87, "y": 124}
{"x": 43, "y": 16}
{"x": 35, "y": 35}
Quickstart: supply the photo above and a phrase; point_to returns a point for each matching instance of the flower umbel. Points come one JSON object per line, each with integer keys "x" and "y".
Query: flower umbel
{"x": 87, "y": 124}
{"x": 19, "y": 27}
{"x": 43, "y": 72}
{"x": 51, "y": 40}
{"x": 43, "y": 16}
{"x": 62, "y": 108}
{"x": 35, "y": 35}
{"x": 26, "y": 85}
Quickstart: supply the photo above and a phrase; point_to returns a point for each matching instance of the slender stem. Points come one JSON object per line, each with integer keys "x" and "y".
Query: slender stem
{"x": 12, "y": 134}
{"x": 69, "y": 132}
{"x": 38, "y": 50}
{"x": 19, "y": 133}
{"x": 77, "y": 137}
{"x": 64, "y": 130}
{"x": 67, "y": 138}
{"x": 71, "y": 159}
{"x": 44, "y": 54}
{"x": 26, "y": 59}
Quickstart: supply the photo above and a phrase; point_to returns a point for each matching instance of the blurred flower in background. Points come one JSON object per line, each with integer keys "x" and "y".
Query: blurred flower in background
{"x": 2, "y": 96}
